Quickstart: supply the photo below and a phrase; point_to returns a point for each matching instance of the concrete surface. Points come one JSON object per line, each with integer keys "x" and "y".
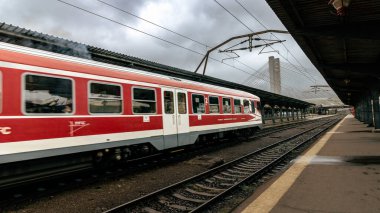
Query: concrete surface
{"x": 340, "y": 173}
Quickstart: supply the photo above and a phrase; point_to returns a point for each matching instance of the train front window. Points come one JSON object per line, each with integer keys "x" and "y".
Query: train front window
{"x": 47, "y": 95}
{"x": 198, "y": 103}
{"x": 214, "y": 104}
{"x": 237, "y": 105}
{"x": 227, "y": 105}
{"x": 105, "y": 98}
{"x": 246, "y": 106}
{"x": 144, "y": 101}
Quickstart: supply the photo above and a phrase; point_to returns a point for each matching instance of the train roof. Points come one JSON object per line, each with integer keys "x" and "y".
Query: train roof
{"x": 29, "y": 56}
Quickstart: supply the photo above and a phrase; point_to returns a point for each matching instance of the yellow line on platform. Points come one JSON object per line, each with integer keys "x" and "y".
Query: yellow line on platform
{"x": 270, "y": 197}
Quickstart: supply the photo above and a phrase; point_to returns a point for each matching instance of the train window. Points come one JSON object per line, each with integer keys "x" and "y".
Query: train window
{"x": 253, "y": 106}
{"x": 198, "y": 103}
{"x": 247, "y": 109}
{"x": 168, "y": 102}
{"x": 105, "y": 98}
{"x": 45, "y": 94}
{"x": 182, "y": 103}
{"x": 214, "y": 104}
{"x": 237, "y": 104}
{"x": 144, "y": 101}
{"x": 227, "y": 105}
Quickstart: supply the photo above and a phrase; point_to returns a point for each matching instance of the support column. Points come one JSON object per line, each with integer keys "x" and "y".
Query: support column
{"x": 293, "y": 113}
{"x": 281, "y": 120}
{"x": 362, "y": 116}
{"x": 368, "y": 115}
{"x": 297, "y": 111}
{"x": 273, "y": 116}
{"x": 357, "y": 111}
{"x": 287, "y": 113}
{"x": 376, "y": 108}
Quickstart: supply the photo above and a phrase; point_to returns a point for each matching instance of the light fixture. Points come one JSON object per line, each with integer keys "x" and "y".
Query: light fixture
{"x": 340, "y": 6}
{"x": 347, "y": 81}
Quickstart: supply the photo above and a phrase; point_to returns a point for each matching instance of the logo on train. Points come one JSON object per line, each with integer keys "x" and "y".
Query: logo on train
{"x": 5, "y": 130}
{"x": 77, "y": 125}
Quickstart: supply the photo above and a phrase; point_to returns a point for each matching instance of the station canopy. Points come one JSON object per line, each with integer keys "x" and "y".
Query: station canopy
{"x": 341, "y": 38}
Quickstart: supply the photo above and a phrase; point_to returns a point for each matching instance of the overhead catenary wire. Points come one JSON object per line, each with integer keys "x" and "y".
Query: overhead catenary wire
{"x": 267, "y": 78}
{"x": 289, "y": 52}
{"x": 303, "y": 72}
{"x": 156, "y": 37}
{"x": 165, "y": 40}
{"x": 251, "y": 30}
{"x": 165, "y": 28}
{"x": 157, "y": 25}
{"x": 132, "y": 28}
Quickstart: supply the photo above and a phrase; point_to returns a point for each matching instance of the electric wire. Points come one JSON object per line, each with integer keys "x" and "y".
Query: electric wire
{"x": 253, "y": 16}
{"x": 242, "y": 23}
{"x": 165, "y": 28}
{"x": 164, "y": 40}
{"x": 157, "y": 25}
{"x": 132, "y": 28}
{"x": 313, "y": 80}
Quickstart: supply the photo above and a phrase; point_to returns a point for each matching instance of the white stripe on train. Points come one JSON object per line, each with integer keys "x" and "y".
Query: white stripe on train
{"x": 56, "y": 143}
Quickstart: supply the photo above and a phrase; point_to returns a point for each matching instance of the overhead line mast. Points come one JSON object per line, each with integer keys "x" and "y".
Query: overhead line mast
{"x": 250, "y": 38}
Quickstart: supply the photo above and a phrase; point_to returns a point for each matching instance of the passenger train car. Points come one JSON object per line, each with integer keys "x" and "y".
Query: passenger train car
{"x": 57, "y": 105}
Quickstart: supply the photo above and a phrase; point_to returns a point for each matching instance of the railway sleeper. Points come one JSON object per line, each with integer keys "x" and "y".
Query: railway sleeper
{"x": 233, "y": 175}
{"x": 150, "y": 210}
{"x": 182, "y": 197}
{"x": 209, "y": 188}
{"x": 248, "y": 166}
{"x": 200, "y": 193}
{"x": 238, "y": 171}
{"x": 224, "y": 178}
{"x": 174, "y": 206}
{"x": 243, "y": 169}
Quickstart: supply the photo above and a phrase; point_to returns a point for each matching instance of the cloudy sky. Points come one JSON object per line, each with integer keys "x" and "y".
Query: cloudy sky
{"x": 175, "y": 33}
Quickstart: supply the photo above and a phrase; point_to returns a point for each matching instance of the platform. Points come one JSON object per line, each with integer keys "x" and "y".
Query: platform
{"x": 339, "y": 173}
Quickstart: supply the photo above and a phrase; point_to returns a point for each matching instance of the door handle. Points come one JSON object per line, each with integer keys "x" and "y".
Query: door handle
{"x": 179, "y": 119}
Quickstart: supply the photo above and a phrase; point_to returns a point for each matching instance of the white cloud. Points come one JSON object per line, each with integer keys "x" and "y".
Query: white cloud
{"x": 203, "y": 21}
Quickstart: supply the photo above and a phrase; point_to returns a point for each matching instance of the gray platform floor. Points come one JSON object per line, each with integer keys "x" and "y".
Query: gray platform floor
{"x": 340, "y": 173}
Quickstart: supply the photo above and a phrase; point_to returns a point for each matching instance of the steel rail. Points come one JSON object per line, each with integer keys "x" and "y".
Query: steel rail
{"x": 134, "y": 203}
{"x": 262, "y": 171}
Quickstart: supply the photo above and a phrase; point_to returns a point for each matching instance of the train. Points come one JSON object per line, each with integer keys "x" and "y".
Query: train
{"x": 58, "y": 110}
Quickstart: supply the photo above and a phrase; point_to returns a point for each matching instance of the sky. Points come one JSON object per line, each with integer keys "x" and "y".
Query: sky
{"x": 177, "y": 33}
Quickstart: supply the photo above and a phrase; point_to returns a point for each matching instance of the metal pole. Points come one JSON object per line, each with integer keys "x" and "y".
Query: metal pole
{"x": 233, "y": 38}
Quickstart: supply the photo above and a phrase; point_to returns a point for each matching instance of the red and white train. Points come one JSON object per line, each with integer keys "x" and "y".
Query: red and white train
{"x": 58, "y": 105}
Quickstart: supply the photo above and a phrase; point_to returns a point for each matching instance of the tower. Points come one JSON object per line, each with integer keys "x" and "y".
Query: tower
{"x": 275, "y": 75}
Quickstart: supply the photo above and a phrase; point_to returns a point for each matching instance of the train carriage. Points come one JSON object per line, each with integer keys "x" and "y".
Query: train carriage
{"x": 56, "y": 105}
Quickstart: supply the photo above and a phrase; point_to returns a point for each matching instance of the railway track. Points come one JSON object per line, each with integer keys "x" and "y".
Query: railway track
{"x": 46, "y": 185}
{"x": 200, "y": 192}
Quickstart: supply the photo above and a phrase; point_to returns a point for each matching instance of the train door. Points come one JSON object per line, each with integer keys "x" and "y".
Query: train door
{"x": 175, "y": 117}
{"x": 182, "y": 117}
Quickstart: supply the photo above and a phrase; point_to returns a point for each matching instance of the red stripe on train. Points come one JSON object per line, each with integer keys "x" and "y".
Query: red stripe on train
{"x": 46, "y": 128}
